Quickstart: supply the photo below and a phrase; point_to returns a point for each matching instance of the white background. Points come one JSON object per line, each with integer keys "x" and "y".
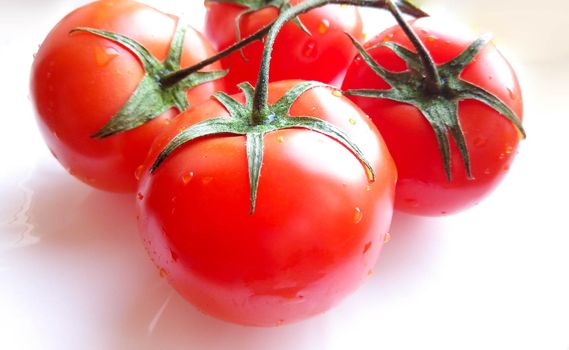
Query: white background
{"x": 74, "y": 275}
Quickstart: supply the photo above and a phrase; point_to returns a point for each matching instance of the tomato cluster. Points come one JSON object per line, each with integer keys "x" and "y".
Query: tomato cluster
{"x": 266, "y": 205}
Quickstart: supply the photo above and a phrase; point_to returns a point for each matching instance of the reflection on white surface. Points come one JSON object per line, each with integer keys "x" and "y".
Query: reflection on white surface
{"x": 74, "y": 275}
{"x": 17, "y": 229}
{"x": 89, "y": 271}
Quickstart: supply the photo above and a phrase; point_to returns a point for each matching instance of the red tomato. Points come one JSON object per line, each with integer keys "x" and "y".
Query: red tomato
{"x": 492, "y": 140}
{"x": 322, "y": 56}
{"x": 318, "y": 227}
{"x": 79, "y": 81}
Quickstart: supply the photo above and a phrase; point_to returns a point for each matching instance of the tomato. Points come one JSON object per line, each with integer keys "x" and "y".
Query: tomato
{"x": 322, "y": 56}
{"x": 491, "y": 139}
{"x": 316, "y": 232}
{"x": 80, "y": 80}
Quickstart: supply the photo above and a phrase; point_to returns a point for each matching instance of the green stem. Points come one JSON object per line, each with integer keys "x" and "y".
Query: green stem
{"x": 175, "y": 77}
{"x": 432, "y": 76}
{"x": 261, "y": 113}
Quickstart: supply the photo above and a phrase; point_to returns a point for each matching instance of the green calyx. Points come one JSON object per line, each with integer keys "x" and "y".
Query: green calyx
{"x": 151, "y": 98}
{"x": 242, "y": 122}
{"x": 440, "y": 108}
{"x": 256, "y": 5}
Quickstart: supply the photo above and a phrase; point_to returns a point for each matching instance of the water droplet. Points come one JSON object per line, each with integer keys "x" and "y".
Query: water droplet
{"x": 368, "y": 188}
{"x": 480, "y": 141}
{"x": 432, "y": 38}
{"x": 323, "y": 26}
{"x": 358, "y": 216}
{"x": 367, "y": 247}
{"x": 280, "y": 139}
{"x": 187, "y": 177}
{"x": 105, "y": 55}
{"x": 138, "y": 172}
{"x": 163, "y": 273}
{"x": 506, "y": 167}
{"x": 352, "y": 121}
{"x": 413, "y": 203}
{"x": 310, "y": 49}
{"x": 487, "y": 171}
{"x": 509, "y": 150}
{"x": 512, "y": 94}
{"x": 502, "y": 156}
{"x": 337, "y": 93}
{"x": 140, "y": 196}
{"x": 387, "y": 237}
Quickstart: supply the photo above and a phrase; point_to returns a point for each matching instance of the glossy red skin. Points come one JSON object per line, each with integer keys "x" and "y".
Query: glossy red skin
{"x": 79, "y": 81}
{"x": 492, "y": 140}
{"x": 304, "y": 248}
{"x": 323, "y": 56}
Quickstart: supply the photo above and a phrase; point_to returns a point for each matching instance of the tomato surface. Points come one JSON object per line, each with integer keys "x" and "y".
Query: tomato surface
{"x": 79, "y": 81}
{"x": 492, "y": 140}
{"x": 318, "y": 226}
{"x": 322, "y": 56}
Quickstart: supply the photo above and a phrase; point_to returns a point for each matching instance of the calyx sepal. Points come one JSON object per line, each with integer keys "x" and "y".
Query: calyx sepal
{"x": 240, "y": 122}
{"x": 151, "y": 98}
{"x": 256, "y": 5}
{"x": 439, "y": 109}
